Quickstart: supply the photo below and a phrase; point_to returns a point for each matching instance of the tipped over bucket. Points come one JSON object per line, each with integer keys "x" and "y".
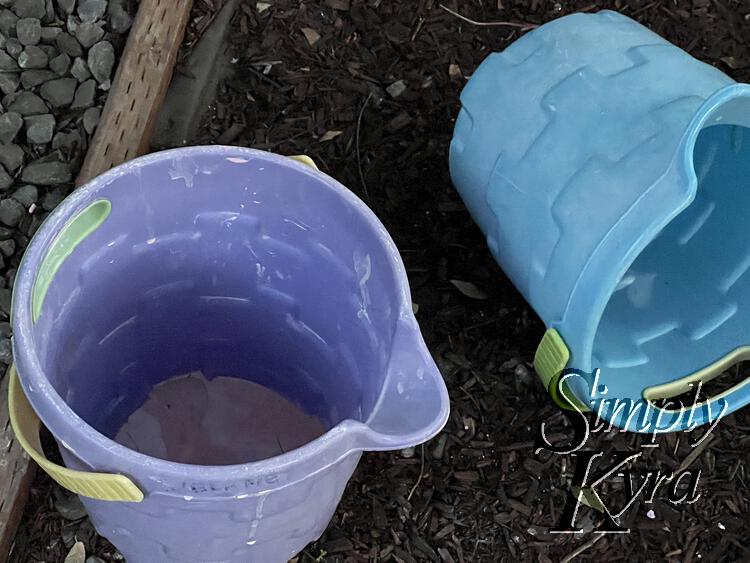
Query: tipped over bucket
{"x": 225, "y": 263}
{"x": 608, "y": 169}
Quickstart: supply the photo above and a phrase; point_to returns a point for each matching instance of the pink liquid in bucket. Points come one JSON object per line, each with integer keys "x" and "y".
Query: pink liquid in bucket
{"x": 225, "y": 421}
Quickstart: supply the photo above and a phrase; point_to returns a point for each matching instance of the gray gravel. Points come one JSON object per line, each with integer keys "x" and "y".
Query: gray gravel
{"x": 36, "y": 77}
{"x": 101, "y": 61}
{"x": 10, "y": 124}
{"x": 69, "y": 45}
{"x": 119, "y": 18}
{"x": 11, "y": 212}
{"x": 5, "y": 180}
{"x": 91, "y": 119}
{"x": 7, "y": 62}
{"x": 33, "y": 57}
{"x": 7, "y": 248}
{"x": 40, "y": 128}
{"x": 47, "y": 173}
{"x": 91, "y": 10}
{"x": 8, "y": 82}
{"x": 11, "y": 157}
{"x": 85, "y": 95}
{"x": 6, "y": 351}
{"x": 14, "y": 47}
{"x": 68, "y": 141}
{"x": 29, "y": 31}
{"x": 27, "y": 103}
{"x": 60, "y": 64}
{"x": 59, "y": 92}
{"x": 50, "y": 33}
{"x": 52, "y": 199}
{"x": 25, "y": 195}
{"x": 57, "y": 60}
{"x": 8, "y": 22}
{"x": 30, "y": 8}
{"x": 88, "y": 33}
{"x": 67, "y": 6}
{"x": 80, "y": 70}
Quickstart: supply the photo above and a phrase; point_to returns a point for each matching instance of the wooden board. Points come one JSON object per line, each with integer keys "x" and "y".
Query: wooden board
{"x": 16, "y": 475}
{"x": 139, "y": 87}
{"x": 124, "y": 132}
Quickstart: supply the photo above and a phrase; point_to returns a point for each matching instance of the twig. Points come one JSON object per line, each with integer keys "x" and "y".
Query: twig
{"x": 521, "y": 26}
{"x": 419, "y": 479}
{"x": 581, "y": 548}
{"x": 359, "y": 157}
{"x": 692, "y": 456}
{"x": 264, "y": 77}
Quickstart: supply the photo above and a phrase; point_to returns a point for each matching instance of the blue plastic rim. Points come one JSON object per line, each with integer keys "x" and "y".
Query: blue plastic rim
{"x": 609, "y": 171}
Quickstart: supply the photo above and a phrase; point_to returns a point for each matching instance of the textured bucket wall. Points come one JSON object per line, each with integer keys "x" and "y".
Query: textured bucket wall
{"x": 686, "y": 298}
{"x": 254, "y": 273}
{"x": 230, "y": 262}
{"x": 573, "y": 150}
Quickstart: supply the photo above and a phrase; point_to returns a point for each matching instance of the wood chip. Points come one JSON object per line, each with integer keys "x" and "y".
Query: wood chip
{"x": 311, "y": 35}
{"x": 469, "y": 289}
{"x": 330, "y": 135}
{"x": 342, "y": 5}
{"x": 77, "y": 553}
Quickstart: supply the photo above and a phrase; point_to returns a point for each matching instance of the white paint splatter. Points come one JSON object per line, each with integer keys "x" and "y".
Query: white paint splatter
{"x": 363, "y": 267}
{"x": 184, "y": 169}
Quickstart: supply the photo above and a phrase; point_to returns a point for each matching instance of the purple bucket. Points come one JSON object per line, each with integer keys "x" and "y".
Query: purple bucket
{"x": 234, "y": 262}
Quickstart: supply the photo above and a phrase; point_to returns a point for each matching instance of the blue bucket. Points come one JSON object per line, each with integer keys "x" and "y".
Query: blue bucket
{"x": 610, "y": 171}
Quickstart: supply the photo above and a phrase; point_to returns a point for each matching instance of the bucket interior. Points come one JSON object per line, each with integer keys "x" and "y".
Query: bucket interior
{"x": 685, "y": 301}
{"x": 231, "y": 266}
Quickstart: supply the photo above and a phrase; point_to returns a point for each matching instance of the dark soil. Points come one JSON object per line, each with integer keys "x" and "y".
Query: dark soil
{"x": 478, "y": 492}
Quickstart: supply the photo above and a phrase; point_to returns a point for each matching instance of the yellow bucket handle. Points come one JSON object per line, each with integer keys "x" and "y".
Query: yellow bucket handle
{"x": 304, "y": 159}
{"x": 26, "y": 425}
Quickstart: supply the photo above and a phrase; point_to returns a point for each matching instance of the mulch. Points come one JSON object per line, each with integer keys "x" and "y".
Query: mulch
{"x": 202, "y": 15}
{"x": 318, "y": 78}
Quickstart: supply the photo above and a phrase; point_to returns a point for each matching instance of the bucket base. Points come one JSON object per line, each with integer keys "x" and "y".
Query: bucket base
{"x": 224, "y": 421}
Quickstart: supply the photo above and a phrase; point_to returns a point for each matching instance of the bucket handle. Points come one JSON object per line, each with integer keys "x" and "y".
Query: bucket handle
{"x": 551, "y": 359}
{"x": 306, "y": 160}
{"x": 26, "y": 425}
{"x": 553, "y": 355}
{"x": 72, "y": 234}
{"x": 739, "y": 393}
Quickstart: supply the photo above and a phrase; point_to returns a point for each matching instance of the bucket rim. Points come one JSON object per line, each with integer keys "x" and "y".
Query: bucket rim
{"x": 72, "y": 432}
{"x": 594, "y": 288}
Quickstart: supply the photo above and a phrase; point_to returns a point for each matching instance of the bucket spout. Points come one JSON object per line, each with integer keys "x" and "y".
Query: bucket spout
{"x": 413, "y": 405}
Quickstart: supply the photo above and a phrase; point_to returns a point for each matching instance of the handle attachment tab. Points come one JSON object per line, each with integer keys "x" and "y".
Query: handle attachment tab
{"x": 304, "y": 159}
{"x": 26, "y": 425}
{"x": 551, "y": 358}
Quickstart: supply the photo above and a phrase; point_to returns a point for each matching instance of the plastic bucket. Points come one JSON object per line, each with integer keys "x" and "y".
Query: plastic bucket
{"x": 233, "y": 262}
{"x": 608, "y": 170}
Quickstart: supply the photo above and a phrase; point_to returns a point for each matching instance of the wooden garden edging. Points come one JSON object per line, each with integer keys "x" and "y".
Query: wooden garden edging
{"x": 139, "y": 87}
